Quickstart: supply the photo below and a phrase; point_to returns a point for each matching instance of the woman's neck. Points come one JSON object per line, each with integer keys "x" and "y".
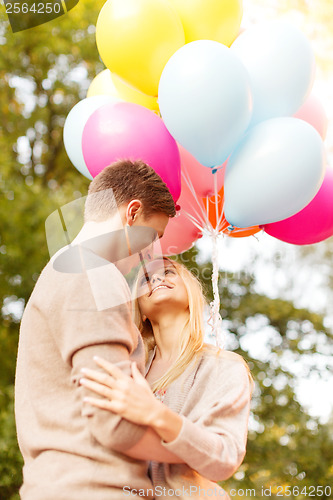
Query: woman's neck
{"x": 167, "y": 331}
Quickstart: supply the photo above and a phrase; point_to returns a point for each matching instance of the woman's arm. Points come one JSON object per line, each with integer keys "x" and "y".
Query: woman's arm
{"x": 149, "y": 447}
{"x": 213, "y": 437}
{"x": 214, "y": 442}
{"x": 132, "y": 399}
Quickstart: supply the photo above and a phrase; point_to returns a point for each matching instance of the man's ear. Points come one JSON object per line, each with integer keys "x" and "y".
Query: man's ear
{"x": 134, "y": 209}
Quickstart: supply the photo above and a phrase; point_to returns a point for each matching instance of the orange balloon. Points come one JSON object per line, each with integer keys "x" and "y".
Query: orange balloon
{"x": 210, "y": 205}
{"x": 241, "y": 233}
{"x": 215, "y": 218}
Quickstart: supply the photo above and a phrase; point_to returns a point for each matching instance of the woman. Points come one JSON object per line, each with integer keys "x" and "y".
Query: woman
{"x": 202, "y": 394}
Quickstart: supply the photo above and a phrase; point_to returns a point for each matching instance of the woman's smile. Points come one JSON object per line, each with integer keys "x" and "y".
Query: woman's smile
{"x": 158, "y": 287}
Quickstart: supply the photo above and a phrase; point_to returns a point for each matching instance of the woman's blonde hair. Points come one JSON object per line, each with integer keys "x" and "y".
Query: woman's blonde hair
{"x": 191, "y": 338}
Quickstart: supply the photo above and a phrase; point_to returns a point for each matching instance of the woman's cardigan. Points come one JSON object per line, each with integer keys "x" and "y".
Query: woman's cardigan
{"x": 213, "y": 398}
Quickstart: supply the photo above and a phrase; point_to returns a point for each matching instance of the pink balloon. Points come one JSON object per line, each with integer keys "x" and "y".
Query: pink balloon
{"x": 180, "y": 232}
{"x": 200, "y": 176}
{"x": 127, "y": 130}
{"x": 312, "y": 224}
{"x": 314, "y": 113}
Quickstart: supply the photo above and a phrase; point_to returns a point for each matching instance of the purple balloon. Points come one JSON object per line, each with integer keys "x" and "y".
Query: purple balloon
{"x": 128, "y": 131}
{"x": 312, "y": 224}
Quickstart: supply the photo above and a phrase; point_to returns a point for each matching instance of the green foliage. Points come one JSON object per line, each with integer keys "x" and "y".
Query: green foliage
{"x": 11, "y": 461}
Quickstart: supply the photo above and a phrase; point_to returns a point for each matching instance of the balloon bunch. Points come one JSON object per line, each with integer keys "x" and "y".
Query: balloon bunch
{"x": 224, "y": 116}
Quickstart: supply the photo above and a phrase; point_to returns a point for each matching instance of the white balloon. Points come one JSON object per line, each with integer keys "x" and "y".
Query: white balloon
{"x": 74, "y": 125}
{"x": 274, "y": 173}
{"x": 281, "y": 65}
{"x": 205, "y": 100}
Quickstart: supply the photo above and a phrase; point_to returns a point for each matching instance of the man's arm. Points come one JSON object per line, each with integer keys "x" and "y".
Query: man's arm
{"x": 108, "y": 429}
{"x": 84, "y": 329}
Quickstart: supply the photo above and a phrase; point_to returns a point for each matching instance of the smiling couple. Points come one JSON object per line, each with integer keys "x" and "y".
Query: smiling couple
{"x": 109, "y": 404}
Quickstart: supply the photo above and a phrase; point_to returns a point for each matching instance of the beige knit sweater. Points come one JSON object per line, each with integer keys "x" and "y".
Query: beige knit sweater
{"x": 213, "y": 398}
{"x": 69, "y": 448}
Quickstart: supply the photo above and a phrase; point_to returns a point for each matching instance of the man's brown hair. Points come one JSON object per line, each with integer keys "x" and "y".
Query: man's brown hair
{"x": 123, "y": 181}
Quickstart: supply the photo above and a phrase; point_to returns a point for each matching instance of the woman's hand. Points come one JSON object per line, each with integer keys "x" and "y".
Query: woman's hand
{"x": 129, "y": 397}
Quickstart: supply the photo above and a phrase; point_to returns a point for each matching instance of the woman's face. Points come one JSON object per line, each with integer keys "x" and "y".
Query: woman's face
{"x": 166, "y": 291}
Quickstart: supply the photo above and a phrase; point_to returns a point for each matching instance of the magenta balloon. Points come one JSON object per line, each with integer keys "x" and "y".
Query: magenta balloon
{"x": 200, "y": 176}
{"x": 314, "y": 113}
{"x": 312, "y": 224}
{"x": 180, "y": 232}
{"x": 129, "y": 131}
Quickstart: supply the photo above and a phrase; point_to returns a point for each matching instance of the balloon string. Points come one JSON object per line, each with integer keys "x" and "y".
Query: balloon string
{"x": 217, "y": 169}
{"x": 210, "y": 229}
{"x": 195, "y": 218}
{"x": 203, "y": 218}
{"x": 189, "y": 184}
{"x": 202, "y": 222}
{"x": 194, "y": 221}
{"x": 215, "y": 319}
{"x": 207, "y": 207}
{"x": 216, "y": 199}
{"x": 224, "y": 226}
{"x": 209, "y": 226}
{"x": 221, "y": 218}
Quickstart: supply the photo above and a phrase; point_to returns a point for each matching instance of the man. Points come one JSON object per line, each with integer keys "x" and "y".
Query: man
{"x": 71, "y": 450}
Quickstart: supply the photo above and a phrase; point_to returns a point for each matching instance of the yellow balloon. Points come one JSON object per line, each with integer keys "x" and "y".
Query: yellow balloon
{"x": 131, "y": 94}
{"x": 105, "y": 83}
{"x": 217, "y": 20}
{"x": 102, "y": 84}
{"x": 136, "y": 38}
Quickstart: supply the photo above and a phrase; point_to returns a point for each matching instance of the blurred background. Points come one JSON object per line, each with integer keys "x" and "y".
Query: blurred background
{"x": 276, "y": 298}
